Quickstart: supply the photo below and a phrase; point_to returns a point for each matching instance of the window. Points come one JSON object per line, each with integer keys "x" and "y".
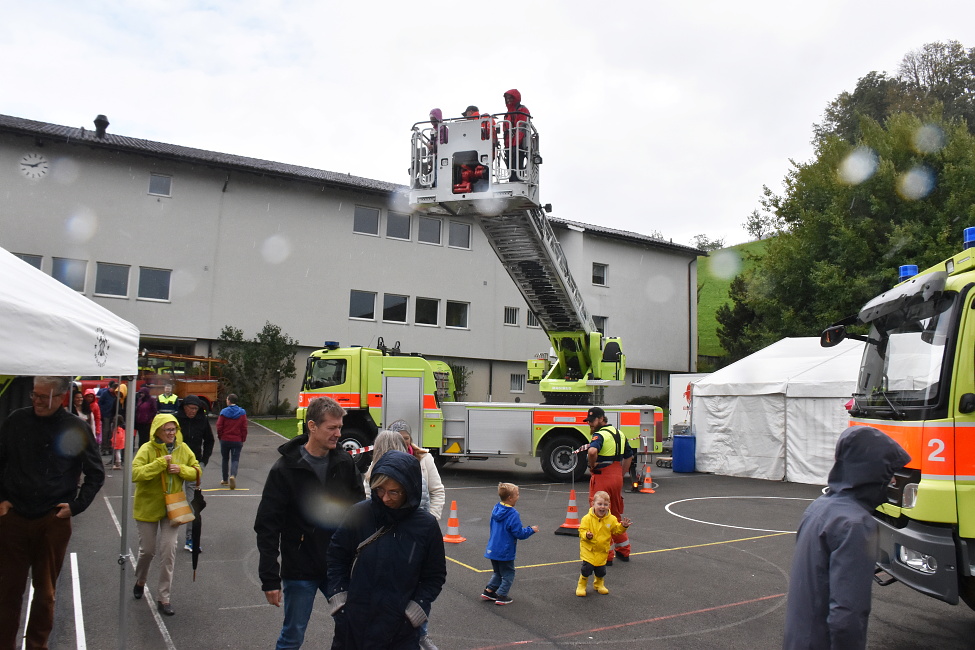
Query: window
{"x": 394, "y": 308}
{"x": 111, "y": 279}
{"x": 160, "y": 185}
{"x": 517, "y": 383}
{"x": 33, "y": 260}
{"x": 397, "y": 225}
{"x": 362, "y": 304}
{"x": 510, "y": 315}
{"x": 428, "y": 230}
{"x": 459, "y": 235}
{"x": 600, "y": 323}
{"x": 656, "y": 378}
{"x": 154, "y": 283}
{"x": 636, "y": 377}
{"x": 427, "y": 311}
{"x": 457, "y": 314}
{"x": 599, "y": 272}
{"x": 366, "y": 221}
{"x": 325, "y": 372}
{"x": 533, "y": 320}
{"x": 70, "y": 272}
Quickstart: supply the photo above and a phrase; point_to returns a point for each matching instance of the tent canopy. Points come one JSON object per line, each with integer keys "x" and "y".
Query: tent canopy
{"x": 50, "y": 329}
{"x": 777, "y": 413}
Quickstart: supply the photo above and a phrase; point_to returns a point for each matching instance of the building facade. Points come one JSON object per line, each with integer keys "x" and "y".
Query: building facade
{"x": 182, "y": 242}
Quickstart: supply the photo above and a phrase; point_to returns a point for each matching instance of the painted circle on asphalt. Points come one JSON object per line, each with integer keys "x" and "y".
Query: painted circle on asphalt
{"x": 670, "y": 509}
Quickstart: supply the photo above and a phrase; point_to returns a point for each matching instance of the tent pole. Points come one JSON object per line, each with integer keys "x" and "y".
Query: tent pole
{"x": 126, "y": 515}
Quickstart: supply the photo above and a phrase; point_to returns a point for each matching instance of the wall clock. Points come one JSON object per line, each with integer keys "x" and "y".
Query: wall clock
{"x": 34, "y": 165}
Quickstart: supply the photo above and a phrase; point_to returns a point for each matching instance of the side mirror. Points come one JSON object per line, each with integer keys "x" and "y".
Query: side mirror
{"x": 967, "y": 403}
{"x": 832, "y": 336}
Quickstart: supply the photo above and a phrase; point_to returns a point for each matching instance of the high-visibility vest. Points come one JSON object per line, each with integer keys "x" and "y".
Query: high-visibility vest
{"x": 168, "y": 401}
{"x": 608, "y": 453}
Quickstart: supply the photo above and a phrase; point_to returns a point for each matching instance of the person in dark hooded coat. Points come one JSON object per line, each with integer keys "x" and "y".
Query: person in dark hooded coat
{"x": 833, "y": 564}
{"x": 386, "y": 564}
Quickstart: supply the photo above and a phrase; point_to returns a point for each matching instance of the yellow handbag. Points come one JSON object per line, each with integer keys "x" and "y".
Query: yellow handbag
{"x": 177, "y": 508}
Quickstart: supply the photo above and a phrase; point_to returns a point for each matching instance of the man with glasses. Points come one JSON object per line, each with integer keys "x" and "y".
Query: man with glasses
{"x": 44, "y": 450}
{"x": 306, "y": 495}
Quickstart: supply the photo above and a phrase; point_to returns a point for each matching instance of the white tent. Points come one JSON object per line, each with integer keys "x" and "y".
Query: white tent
{"x": 50, "y": 329}
{"x": 777, "y": 413}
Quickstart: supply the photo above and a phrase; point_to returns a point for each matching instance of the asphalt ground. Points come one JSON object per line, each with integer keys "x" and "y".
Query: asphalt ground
{"x": 709, "y": 569}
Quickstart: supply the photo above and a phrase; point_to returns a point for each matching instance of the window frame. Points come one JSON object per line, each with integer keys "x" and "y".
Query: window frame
{"x": 169, "y": 177}
{"x": 605, "y": 274}
{"x": 637, "y": 377}
{"x": 30, "y": 258}
{"x": 417, "y": 310}
{"x": 450, "y": 228}
{"x": 512, "y": 383}
{"x": 599, "y": 322}
{"x": 355, "y": 218}
{"x": 352, "y": 293}
{"x": 169, "y": 284}
{"x": 99, "y": 266}
{"x": 467, "y": 315}
{"x": 420, "y": 220}
{"x": 532, "y": 320}
{"x": 390, "y": 215}
{"x": 405, "y": 304}
{"x": 511, "y": 316}
{"x": 60, "y": 272}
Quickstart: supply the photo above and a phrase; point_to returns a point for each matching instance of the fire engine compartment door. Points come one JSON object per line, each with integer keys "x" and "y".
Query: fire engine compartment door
{"x": 505, "y": 431}
{"x": 403, "y": 400}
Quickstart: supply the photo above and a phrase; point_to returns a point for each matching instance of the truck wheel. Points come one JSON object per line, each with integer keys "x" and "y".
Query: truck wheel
{"x": 967, "y": 590}
{"x": 352, "y": 440}
{"x": 559, "y": 462}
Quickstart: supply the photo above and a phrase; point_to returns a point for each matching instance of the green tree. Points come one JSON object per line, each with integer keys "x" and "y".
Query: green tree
{"x": 902, "y": 195}
{"x": 705, "y": 243}
{"x": 255, "y": 366}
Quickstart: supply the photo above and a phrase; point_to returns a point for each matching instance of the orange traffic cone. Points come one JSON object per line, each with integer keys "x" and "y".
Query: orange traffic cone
{"x": 453, "y": 527}
{"x": 647, "y": 481}
{"x": 571, "y": 525}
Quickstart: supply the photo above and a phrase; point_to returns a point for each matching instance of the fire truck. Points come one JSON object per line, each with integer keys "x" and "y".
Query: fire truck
{"x": 461, "y": 167}
{"x": 917, "y": 385}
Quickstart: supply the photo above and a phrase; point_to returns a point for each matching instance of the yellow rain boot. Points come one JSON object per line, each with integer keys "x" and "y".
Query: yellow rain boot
{"x": 600, "y": 585}
{"x": 581, "y": 587}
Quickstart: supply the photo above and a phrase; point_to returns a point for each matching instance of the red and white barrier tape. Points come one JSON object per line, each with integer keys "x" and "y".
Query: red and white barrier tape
{"x": 361, "y": 450}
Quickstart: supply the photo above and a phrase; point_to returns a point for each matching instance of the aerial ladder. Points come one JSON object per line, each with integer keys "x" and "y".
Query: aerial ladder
{"x": 461, "y": 167}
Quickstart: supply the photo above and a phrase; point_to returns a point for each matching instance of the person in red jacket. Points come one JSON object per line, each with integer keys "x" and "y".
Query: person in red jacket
{"x": 232, "y": 433}
{"x": 516, "y": 136}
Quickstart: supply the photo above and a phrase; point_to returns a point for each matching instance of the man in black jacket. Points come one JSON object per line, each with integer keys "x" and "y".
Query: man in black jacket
{"x": 44, "y": 450}
{"x": 307, "y": 493}
{"x": 198, "y": 436}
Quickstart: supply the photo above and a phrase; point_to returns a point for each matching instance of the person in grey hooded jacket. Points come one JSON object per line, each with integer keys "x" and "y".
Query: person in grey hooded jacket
{"x": 386, "y": 563}
{"x": 833, "y": 564}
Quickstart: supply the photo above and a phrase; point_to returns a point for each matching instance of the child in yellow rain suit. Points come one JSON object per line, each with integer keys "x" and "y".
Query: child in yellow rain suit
{"x": 596, "y": 532}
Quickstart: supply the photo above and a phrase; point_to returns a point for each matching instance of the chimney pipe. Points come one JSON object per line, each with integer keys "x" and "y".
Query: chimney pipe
{"x": 101, "y": 125}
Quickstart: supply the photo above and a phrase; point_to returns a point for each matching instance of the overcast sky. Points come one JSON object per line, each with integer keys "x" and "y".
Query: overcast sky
{"x": 653, "y": 117}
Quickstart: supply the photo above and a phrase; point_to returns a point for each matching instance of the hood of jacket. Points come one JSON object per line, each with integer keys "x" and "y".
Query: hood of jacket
{"x": 233, "y": 412}
{"x": 405, "y": 470}
{"x": 436, "y": 114}
{"x": 92, "y": 392}
{"x": 193, "y": 400}
{"x": 517, "y": 96}
{"x": 866, "y": 459}
{"x": 160, "y": 420}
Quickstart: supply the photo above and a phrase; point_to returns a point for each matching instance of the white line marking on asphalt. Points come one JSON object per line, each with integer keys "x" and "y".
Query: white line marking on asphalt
{"x": 79, "y": 617}
{"x": 147, "y": 595}
{"x": 714, "y": 523}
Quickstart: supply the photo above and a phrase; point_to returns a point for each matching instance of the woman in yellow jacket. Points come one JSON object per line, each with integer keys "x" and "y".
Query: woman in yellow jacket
{"x": 160, "y": 466}
{"x": 596, "y": 532}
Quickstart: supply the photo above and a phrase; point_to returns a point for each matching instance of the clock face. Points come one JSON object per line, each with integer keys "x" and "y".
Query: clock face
{"x": 34, "y": 165}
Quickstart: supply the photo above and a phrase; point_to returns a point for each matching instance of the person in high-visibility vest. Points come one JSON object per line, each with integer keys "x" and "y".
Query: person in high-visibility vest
{"x": 609, "y": 457}
{"x": 167, "y": 400}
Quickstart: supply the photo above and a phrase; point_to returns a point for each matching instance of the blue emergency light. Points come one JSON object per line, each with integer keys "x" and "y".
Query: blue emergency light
{"x": 907, "y": 271}
{"x": 334, "y": 345}
{"x": 969, "y": 238}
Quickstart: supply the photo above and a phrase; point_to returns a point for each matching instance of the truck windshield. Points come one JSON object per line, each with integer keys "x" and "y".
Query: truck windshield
{"x": 904, "y": 365}
{"x": 322, "y": 373}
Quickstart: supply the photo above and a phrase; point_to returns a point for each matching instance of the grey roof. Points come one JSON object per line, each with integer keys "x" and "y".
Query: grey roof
{"x": 111, "y": 141}
{"x": 115, "y": 142}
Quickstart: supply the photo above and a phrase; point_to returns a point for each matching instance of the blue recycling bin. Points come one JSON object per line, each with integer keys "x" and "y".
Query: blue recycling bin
{"x": 684, "y": 447}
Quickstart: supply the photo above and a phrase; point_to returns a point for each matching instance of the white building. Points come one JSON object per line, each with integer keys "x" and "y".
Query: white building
{"x": 182, "y": 242}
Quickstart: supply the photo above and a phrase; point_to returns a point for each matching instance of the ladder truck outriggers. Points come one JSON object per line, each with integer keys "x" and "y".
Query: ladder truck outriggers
{"x": 460, "y": 167}
{"x": 917, "y": 385}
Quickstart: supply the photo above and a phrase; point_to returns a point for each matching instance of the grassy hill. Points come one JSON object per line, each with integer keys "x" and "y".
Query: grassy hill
{"x": 714, "y": 276}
